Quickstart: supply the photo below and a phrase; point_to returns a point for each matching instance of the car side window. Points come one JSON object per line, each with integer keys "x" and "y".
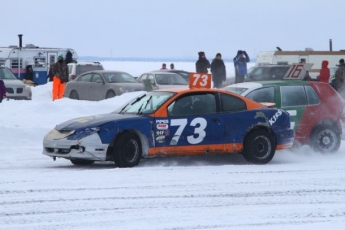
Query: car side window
{"x": 85, "y": 77}
{"x": 262, "y": 95}
{"x": 313, "y": 98}
{"x": 195, "y": 104}
{"x": 231, "y": 103}
{"x": 293, "y": 96}
{"x": 97, "y": 78}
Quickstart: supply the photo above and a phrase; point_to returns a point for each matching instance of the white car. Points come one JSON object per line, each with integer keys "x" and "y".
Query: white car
{"x": 163, "y": 80}
{"x": 15, "y": 88}
{"x": 77, "y": 68}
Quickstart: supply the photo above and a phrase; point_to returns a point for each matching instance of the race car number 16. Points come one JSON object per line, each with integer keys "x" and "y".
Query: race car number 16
{"x": 200, "y": 80}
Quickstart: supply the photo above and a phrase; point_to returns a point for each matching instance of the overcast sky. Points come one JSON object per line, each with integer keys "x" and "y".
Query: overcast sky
{"x": 173, "y": 28}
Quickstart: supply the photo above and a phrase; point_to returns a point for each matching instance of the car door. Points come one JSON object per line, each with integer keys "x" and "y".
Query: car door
{"x": 294, "y": 101}
{"x": 192, "y": 127}
{"x": 97, "y": 91}
{"x": 82, "y": 86}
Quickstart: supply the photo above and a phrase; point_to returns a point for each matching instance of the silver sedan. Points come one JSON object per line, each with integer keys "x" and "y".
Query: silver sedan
{"x": 101, "y": 84}
{"x": 15, "y": 88}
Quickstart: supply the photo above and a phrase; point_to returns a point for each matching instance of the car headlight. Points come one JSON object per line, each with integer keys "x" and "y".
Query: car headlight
{"x": 82, "y": 133}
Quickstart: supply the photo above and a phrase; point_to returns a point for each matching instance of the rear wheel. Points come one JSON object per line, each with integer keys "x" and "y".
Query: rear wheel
{"x": 127, "y": 150}
{"x": 110, "y": 94}
{"x": 74, "y": 95}
{"x": 325, "y": 139}
{"x": 259, "y": 147}
{"x": 81, "y": 162}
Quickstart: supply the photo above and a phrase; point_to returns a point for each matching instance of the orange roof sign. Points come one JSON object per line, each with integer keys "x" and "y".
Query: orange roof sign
{"x": 200, "y": 80}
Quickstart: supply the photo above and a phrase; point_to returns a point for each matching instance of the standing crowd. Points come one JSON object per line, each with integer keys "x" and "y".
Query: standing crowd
{"x": 218, "y": 68}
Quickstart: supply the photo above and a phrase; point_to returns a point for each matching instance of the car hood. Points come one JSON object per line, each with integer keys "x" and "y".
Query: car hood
{"x": 13, "y": 83}
{"x": 92, "y": 121}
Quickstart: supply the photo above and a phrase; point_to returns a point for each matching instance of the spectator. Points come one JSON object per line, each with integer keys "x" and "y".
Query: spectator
{"x": 60, "y": 71}
{"x": 218, "y": 71}
{"x": 164, "y": 66}
{"x": 172, "y": 66}
{"x": 324, "y": 72}
{"x": 2, "y": 90}
{"x": 238, "y": 53}
{"x": 306, "y": 76}
{"x": 50, "y": 73}
{"x": 339, "y": 78}
{"x": 202, "y": 64}
{"x": 240, "y": 63}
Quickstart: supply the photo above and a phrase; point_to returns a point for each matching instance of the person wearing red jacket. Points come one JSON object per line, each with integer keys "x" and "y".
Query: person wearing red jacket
{"x": 324, "y": 72}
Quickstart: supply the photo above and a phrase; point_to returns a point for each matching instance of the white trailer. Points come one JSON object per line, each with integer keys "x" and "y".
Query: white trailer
{"x": 290, "y": 57}
{"x": 18, "y": 58}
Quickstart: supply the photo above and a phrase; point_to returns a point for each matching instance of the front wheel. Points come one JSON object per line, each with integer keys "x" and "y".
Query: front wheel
{"x": 74, "y": 95}
{"x": 127, "y": 150}
{"x": 325, "y": 139}
{"x": 110, "y": 94}
{"x": 259, "y": 147}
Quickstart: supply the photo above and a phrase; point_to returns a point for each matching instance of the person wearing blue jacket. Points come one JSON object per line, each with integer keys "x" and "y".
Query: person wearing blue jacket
{"x": 240, "y": 62}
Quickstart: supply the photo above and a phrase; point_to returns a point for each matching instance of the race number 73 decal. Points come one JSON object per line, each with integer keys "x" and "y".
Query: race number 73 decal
{"x": 200, "y": 80}
{"x": 199, "y": 131}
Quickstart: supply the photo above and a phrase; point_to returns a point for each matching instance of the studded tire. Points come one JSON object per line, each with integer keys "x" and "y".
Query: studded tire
{"x": 325, "y": 139}
{"x": 259, "y": 147}
{"x": 127, "y": 150}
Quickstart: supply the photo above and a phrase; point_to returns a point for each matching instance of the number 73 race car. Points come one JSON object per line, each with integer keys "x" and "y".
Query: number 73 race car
{"x": 174, "y": 122}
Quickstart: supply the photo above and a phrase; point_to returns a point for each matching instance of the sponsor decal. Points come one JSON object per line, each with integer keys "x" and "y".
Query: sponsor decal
{"x": 163, "y": 132}
{"x": 275, "y": 117}
{"x": 160, "y": 139}
{"x": 162, "y": 126}
{"x": 162, "y": 121}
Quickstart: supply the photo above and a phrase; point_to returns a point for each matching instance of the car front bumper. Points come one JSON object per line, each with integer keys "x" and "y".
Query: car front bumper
{"x": 88, "y": 148}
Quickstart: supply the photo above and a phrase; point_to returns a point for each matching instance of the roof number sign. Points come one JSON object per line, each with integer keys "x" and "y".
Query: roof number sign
{"x": 200, "y": 80}
{"x": 298, "y": 71}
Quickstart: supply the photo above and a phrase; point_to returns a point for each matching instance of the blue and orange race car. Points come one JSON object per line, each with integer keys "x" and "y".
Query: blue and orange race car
{"x": 174, "y": 122}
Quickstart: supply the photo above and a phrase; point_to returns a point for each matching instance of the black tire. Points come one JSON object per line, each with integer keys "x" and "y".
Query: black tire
{"x": 325, "y": 139}
{"x": 74, "y": 95}
{"x": 110, "y": 94}
{"x": 259, "y": 147}
{"x": 127, "y": 150}
{"x": 81, "y": 162}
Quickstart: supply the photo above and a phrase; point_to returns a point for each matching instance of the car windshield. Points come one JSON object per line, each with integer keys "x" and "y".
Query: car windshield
{"x": 6, "y": 74}
{"x": 147, "y": 103}
{"x": 119, "y": 77}
{"x": 170, "y": 79}
{"x": 237, "y": 90}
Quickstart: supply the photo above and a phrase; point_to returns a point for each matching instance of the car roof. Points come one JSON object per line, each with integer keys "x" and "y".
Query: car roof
{"x": 104, "y": 71}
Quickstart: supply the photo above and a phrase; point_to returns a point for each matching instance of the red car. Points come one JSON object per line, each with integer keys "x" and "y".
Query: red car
{"x": 317, "y": 111}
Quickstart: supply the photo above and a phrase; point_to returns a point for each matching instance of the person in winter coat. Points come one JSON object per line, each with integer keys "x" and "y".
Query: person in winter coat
{"x": 164, "y": 66}
{"x": 324, "y": 72}
{"x": 240, "y": 62}
{"x": 202, "y": 64}
{"x": 218, "y": 71}
{"x": 339, "y": 78}
{"x": 2, "y": 90}
{"x": 60, "y": 71}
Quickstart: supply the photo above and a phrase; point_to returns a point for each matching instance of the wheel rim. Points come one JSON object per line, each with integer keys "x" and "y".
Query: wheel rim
{"x": 131, "y": 151}
{"x": 326, "y": 139}
{"x": 261, "y": 147}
